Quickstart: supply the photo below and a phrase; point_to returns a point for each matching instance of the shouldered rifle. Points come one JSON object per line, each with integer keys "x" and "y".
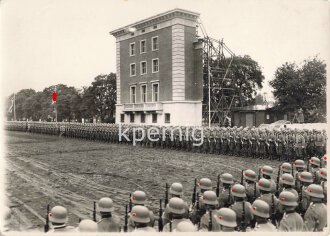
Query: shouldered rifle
{"x": 218, "y": 186}
{"x": 166, "y": 194}
{"x": 259, "y": 173}
{"x": 242, "y": 177}
{"x": 130, "y": 203}
{"x": 243, "y": 224}
{"x": 126, "y": 219}
{"x": 210, "y": 221}
{"x": 193, "y": 199}
{"x": 255, "y": 191}
{"x": 228, "y": 200}
{"x": 46, "y": 228}
{"x": 160, "y": 220}
{"x": 197, "y": 202}
{"x": 307, "y": 166}
{"x": 94, "y": 211}
{"x": 278, "y": 180}
{"x": 273, "y": 216}
{"x": 170, "y": 225}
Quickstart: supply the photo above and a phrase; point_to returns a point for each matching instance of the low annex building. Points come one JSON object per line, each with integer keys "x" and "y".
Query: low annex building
{"x": 160, "y": 70}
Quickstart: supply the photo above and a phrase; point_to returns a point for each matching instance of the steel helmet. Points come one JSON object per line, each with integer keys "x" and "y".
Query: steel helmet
{"x": 287, "y": 179}
{"x": 315, "y": 161}
{"x": 306, "y": 177}
{"x": 288, "y": 199}
{"x": 176, "y": 189}
{"x": 227, "y": 178}
{"x": 267, "y": 170}
{"x": 260, "y": 208}
{"x": 238, "y": 190}
{"x": 140, "y": 214}
{"x": 87, "y": 226}
{"x": 315, "y": 190}
{"x": 185, "y": 226}
{"x": 105, "y": 205}
{"x": 286, "y": 167}
{"x": 58, "y": 214}
{"x": 209, "y": 198}
{"x": 250, "y": 175}
{"x": 322, "y": 173}
{"x": 265, "y": 185}
{"x": 299, "y": 164}
{"x": 176, "y": 206}
{"x": 139, "y": 197}
{"x": 205, "y": 183}
{"x": 226, "y": 217}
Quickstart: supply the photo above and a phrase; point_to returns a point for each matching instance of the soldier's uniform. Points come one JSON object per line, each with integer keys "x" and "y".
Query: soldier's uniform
{"x": 58, "y": 217}
{"x": 209, "y": 199}
{"x": 250, "y": 178}
{"x": 109, "y": 221}
{"x": 225, "y": 198}
{"x": 177, "y": 210}
{"x": 140, "y": 218}
{"x": 261, "y": 213}
{"x": 291, "y": 220}
{"x": 316, "y": 215}
{"x": 265, "y": 187}
{"x": 267, "y": 172}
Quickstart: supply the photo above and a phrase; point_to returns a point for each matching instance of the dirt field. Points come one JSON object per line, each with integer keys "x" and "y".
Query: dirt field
{"x": 45, "y": 169}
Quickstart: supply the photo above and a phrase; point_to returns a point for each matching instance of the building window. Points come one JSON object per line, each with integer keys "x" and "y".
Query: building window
{"x": 144, "y": 93}
{"x": 132, "y": 69}
{"x": 155, "y": 26}
{"x": 154, "y": 117}
{"x": 155, "y": 92}
{"x": 167, "y": 117}
{"x": 154, "y": 45}
{"x": 143, "y": 67}
{"x": 143, "y": 118}
{"x": 143, "y": 46}
{"x": 133, "y": 94}
{"x": 122, "y": 118}
{"x": 131, "y": 118}
{"x": 155, "y": 65}
{"x": 143, "y": 30}
{"x": 132, "y": 49}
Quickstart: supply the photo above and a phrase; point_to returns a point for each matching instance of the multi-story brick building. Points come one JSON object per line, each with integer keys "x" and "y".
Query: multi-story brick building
{"x": 159, "y": 70}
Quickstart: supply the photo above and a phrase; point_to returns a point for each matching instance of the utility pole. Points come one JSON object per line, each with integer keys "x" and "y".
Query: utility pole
{"x": 14, "y": 108}
{"x": 209, "y": 79}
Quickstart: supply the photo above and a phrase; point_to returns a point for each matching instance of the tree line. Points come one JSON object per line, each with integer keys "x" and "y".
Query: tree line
{"x": 295, "y": 86}
{"x": 97, "y": 100}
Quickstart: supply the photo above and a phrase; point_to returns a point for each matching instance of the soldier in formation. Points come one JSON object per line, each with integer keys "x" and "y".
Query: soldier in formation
{"x": 282, "y": 144}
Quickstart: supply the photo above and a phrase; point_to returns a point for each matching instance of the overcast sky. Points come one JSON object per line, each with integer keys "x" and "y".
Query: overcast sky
{"x": 46, "y": 42}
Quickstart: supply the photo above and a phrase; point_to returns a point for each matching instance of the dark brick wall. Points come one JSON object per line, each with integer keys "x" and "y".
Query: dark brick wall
{"x": 193, "y": 67}
{"x": 164, "y": 54}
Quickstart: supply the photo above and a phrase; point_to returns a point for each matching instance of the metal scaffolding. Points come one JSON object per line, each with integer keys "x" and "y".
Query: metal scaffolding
{"x": 220, "y": 93}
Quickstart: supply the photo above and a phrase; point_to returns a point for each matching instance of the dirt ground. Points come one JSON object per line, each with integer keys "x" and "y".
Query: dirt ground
{"x": 54, "y": 170}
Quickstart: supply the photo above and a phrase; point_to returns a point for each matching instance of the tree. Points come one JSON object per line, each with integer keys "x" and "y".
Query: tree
{"x": 245, "y": 74}
{"x": 100, "y": 98}
{"x": 302, "y": 87}
{"x": 259, "y": 100}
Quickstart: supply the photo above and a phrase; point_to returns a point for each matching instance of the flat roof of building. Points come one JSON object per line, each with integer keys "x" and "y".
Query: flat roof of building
{"x": 177, "y": 12}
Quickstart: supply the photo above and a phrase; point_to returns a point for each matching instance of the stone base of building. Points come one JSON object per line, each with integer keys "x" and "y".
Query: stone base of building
{"x": 185, "y": 113}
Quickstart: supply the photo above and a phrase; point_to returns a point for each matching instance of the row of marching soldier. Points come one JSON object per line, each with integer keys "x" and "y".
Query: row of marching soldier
{"x": 295, "y": 201}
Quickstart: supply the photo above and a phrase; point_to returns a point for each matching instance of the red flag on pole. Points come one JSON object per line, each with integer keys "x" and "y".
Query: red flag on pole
{"x": 54, "y": 97}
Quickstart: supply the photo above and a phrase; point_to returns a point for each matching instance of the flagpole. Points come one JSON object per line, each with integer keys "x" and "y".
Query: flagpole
{"x": 14, "y": 109}
{"x": 55, "y": 107}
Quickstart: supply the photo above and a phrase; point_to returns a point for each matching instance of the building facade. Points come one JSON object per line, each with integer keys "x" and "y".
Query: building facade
{"x": 159, "y": 70}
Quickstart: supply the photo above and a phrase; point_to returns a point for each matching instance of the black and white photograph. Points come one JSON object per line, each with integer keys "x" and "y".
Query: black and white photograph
{"x": 164, "y": 117}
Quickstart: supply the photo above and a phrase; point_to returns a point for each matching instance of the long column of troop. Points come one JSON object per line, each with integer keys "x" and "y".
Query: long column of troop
{"x": 281, "y": 144}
